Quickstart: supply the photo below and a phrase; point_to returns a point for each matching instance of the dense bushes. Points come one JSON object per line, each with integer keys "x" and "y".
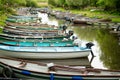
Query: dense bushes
{"x": 108, "y": 5}
{"x": 69, "y": 3}
{"x": 77, "y": 3}
{"x": 8, "y": 6}
{"x": 52, "y": 2}
{"x": 31, "y": 3}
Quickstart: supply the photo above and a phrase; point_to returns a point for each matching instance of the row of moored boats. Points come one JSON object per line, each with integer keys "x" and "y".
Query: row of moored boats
{"x": 25, "y": 37}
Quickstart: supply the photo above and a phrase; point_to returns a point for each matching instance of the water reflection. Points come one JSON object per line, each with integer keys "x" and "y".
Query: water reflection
{"x": 110, "y": 49}
{"x": 46, "y": 20}
{"x": 89, "y": 34}
{"x": 106, "y": 49}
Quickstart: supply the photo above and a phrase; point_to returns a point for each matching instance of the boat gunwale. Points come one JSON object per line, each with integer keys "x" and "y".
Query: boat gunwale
{"x": 57, "y": 74}
{"x": 54, "y": 51}
{"x": 32, "y": 37}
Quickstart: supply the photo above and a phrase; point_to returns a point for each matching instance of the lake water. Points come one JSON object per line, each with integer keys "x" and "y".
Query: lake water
{"x": 105, "y": 49}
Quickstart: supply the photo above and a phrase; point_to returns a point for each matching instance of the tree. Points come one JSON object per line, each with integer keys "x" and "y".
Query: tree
{"x": 31, "y": 3}
{"x": 93, "y": 2}
{"x": 107, "y": 4}
{"x": 52, "y": 2}
{"x": 12, "y": 3}
{"x": 77, "y": 3}
{"x": 60, "y": 3}
{"x": 118, "y": 5}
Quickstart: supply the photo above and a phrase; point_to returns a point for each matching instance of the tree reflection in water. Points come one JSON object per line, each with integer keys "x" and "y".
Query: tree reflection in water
{"x": 110, "y": 50}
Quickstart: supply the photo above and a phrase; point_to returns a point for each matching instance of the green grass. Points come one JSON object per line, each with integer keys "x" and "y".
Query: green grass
{"x": 101, "y": 15}
{"x": 2, "y": 19}
{"x": 116, "y": 19}
{"x": 42, "y": 0}
{"x": 95, "y": 14}
{"x": 42, "y": 3}
{"x": 61, "y": 9}
{"x": 1, "y": 30}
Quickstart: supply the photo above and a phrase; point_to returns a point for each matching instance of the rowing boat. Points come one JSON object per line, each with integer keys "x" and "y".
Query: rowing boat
{"x": 45, "y": 52}
{"x": 49, "y": 42}
{"x": 11, "y": 67}
{"x": 10, "y": 36}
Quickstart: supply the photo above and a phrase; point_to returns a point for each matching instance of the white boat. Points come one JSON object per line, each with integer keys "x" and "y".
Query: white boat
{"x": 44, "y": 52}
{"x": 11, "y": 67}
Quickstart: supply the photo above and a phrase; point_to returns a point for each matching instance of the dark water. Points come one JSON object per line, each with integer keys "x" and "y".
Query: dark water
{"x": 106, "y": 48}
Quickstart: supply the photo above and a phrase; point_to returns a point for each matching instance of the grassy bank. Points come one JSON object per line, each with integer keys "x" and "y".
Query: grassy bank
{"x": 42, "y": 3}
{"x": 95, "y": 14}
{"x": 98, "y": 14}
{"x": 2, "y": 18}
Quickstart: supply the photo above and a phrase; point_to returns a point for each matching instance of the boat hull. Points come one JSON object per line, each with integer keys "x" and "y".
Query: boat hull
{"x": 51, "y": 52}
{"x": 32, "y": 37}
{"x": 44, "y": 55}
{"x": 40, "y": 71}
{"x": 79, "y": 22}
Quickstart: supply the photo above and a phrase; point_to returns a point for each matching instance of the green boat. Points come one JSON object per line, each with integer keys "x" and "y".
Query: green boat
{"x": 21, "y": 20}
{"x": 20, "y": 16}
{"x": 35, "y": 32}
{"x": 21, "y": 37}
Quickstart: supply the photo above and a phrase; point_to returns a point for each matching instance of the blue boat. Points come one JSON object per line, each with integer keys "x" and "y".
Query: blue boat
{"x": 45, "y": 52}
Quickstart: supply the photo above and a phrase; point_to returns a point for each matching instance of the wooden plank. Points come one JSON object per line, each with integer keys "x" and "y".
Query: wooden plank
{"x": 71, "y": 62}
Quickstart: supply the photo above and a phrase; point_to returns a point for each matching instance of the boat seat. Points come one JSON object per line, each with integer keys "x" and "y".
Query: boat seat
{"x": 51, "y": 68}
{"x": 22, "y": 64}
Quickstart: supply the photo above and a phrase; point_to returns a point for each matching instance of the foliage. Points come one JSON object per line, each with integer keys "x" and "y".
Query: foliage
{"x": 2, "y": 18}
{"x": 118, "y": 5}
{"x": 69, "y": 3}
{"x": 7, "y": 7}
{"x": 77, "y": 3}
{"x": 93, "y": 3}
{"x": 117, "y": 19}
{"x": 42, "y": 0}
{"x": 109, "y": 5}
{"x": 1, "y": 30}
{"x": 51, "y": 2}
{"x": 31, "y": 3}
{"x": 42, "y": 3}
{"x": 13, "y": 3}
{"x": 60, "y": 3}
